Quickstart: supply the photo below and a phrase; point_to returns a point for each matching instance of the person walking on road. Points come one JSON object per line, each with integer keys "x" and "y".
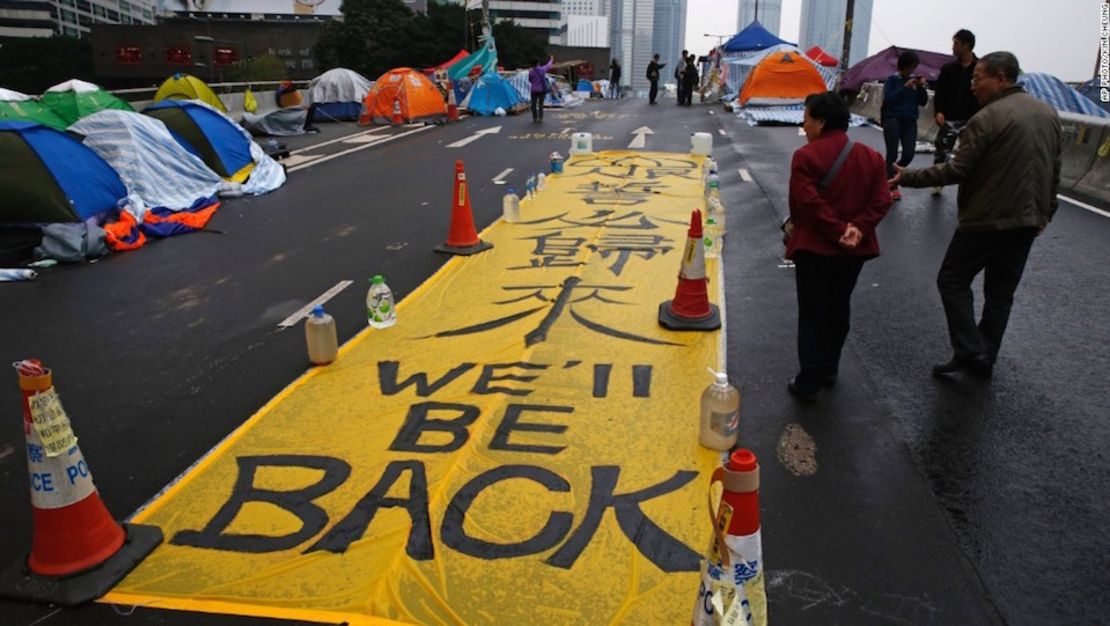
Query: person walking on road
{"x": 903, "y": 93}
{"x": 953, "y": 101}
{"x": 1008, "y": 170}
{"x": 838, "y": 195}
{"x": 689, "y": 81}
{"x": 537, "y": 82}
{"x": 653, "y": 77}
{"x": 615, "y": 79}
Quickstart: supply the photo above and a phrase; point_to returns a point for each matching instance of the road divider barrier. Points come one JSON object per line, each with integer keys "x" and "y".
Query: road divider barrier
{"x": 78, "y": 552}
{"x": 1080, "y": 141}
{"x": 1094, "y": 182}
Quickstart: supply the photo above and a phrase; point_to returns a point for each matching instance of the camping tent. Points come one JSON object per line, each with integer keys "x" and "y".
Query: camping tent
{"x": 148, "y": 159}
{"x": 188, "y": 87}
{"x": 285, "y": 122}
{"x": 338, "y": 94}
{"x": 48, "y": 176}
{"x": 879, "y": 66}
{"x": 822, "y": 57}
{"x": 204, "y": 132}
{"x": 489, "y": 93}
{"x": 484, "y": 58}
{"x": 752, "y": 37}
{"x": 1048, "y": 88}
{"x": 446, "y": 65}
{"x": 781, "y": 78}
{"x": 19, "y": 106}
{"x": 738, "y": 69}
{"x": 75, "y": 99}
{"x": 419, "y": 98}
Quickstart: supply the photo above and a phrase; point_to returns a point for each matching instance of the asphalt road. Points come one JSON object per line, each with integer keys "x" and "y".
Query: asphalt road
{"x": 961, "y": 502}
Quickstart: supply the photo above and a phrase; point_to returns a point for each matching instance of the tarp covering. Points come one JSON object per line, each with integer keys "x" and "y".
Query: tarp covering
{"x": 881, "y": 65}
{"x": 21, "y": 107}
{"x": 459, "y": 56}
{"x": 75, "y": 99}
{"x": 418, "y": 97}
{"x": 822, "y": 57}
{"x": 148, "y": 159}
{"x": 48, "y": 176}
{"x": 739, "y": 68}
{"x": 557, "y": 96}
{"x": 474, "y": 464}
{"x": 278, "y": 122}
{"x": 792, "y": 115}
{"x": 753, "y": 37}
{"x": 484, "y": 58}
{"x": 338, "y": 85}
{"x": 781, "y": 78}
{"x": 490, "y": 93}
{"x": 1048, "y": 88}
{"x": 1093, "y": 92}
{"x": 188, "y": 87}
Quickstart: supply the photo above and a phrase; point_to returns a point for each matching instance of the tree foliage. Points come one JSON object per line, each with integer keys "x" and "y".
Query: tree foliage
{"x": 32, "y": 65}
{"x": 260, "y": 68}
{"x": 518, "y": 47}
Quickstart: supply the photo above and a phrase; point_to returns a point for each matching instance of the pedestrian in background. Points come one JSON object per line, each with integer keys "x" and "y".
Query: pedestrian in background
{"x": 653, "y": 77}
{"x": 903, "y": 93}
{"x": 1007, "y": 167}
{"x": 953, "y": 101}
{"x": 689, "y": 81}
{"x": 679, "y": 68}
{"x": 615, "y": 79}
{"x": 537, "y": 82}
{"x": 838, "y": 194}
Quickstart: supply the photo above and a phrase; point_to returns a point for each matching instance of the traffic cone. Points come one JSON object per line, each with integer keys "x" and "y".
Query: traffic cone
{"x": 452, "y": 106}
{"x": 397, "y": 119}
{"x": 364, "y": 117}
{"x": 78, "y": 552}
{"x": 462, "y": 239}
{"x": 690, "y": 309}
{"x": 732, "y": 577}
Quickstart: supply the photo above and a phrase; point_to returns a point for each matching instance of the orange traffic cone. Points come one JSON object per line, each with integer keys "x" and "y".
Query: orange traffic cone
{"x": 397, "y": 119}
{"x": 732, "y": 580}
{"x": 452, "y": 106}
{"x": 364, "y": 117}
{"x": 78, "y": 552}
{"x": 462, "y": 238}
{"x": 690, "y": 309}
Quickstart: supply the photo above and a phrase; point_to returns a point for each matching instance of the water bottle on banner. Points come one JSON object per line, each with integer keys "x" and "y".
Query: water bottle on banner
{"x": 319, "y": 334}
{"x": 380, "y": 311}
{"x": 712, "y": 238}
{"x": 510, "y": 207}
{"x": 720, "y": 414}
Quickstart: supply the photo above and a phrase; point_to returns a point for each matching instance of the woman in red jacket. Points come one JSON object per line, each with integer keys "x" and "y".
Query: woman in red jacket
{"x": 838, "y": 194}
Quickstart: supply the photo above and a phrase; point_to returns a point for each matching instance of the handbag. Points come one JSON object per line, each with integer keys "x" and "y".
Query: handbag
{"x": 788, "y": 224}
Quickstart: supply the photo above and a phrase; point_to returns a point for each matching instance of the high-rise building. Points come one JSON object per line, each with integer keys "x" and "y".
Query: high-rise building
{"x": 768, "y": 12}
{"x": 640, "y": 28}
{"x": 669, "y": 36}
{"x": 70, "y": 17}
{"x": 823, "y": 25}
{"x": 586, "y": 23}
{"x": 541, "y": 16}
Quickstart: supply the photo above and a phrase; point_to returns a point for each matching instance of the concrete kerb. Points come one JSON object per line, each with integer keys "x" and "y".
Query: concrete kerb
{"x": 1095, "y": 183}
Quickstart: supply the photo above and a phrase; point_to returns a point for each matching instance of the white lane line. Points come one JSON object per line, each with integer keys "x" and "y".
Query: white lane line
{"x": 1083, "y": 205}
{"x": 357, "y": 148}
{"x": 801, "y": 132}
{"x": 306, "y": 309}
{"x": 328, "y": 143}
{"x": 499, "y": 179}
{"x": 744, "y": 175}
{"x": 361, "y": 139}
{"x": 297, "y": 159}
{"x": 722, "y": 132}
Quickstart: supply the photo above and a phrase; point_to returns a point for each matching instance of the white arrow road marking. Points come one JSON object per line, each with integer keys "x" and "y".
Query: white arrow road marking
{"x": 500, "y": 178}
{"x": 722, "y": 131}
{"x": 641, "y": 137}
{"x": 364, "y": 146}
{"x": 478, "y": 135}
{"x": 329, "y": 142}
{"x": 744, "y": 175}
{"x": 306, "y": 309}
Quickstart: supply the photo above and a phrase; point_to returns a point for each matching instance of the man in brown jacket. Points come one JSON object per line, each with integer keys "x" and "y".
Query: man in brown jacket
{"x": 1008, "y": 169}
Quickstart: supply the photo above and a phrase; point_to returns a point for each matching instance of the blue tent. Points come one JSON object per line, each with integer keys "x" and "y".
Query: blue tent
{"x": 1048, "y": 88}
{"x": 48, "y": 176}
{"x": 490, "y": 92}
{"x": 753, "y": 37}
{"x": 203, "y": 131}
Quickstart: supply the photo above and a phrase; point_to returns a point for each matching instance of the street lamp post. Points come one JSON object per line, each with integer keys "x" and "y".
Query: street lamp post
{"x": 212, "y": 41}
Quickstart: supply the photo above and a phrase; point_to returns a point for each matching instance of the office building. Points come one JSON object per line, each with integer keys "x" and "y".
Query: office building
{"x": 768, "y": 12}
{"x": 823, "y": 25}
{"x": 540, "y": 16}
{"x": 585, "y": 23}
{"x": 669, "y": 36}
{"x": 72, "y": 18}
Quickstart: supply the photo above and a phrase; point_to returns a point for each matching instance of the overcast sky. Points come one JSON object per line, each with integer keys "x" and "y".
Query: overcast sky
{"x": 1059, "y": 37}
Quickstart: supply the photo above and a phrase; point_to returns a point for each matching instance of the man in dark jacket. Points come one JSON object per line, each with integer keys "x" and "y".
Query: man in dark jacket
{"x": 1008, "y": 170}
{"x": 653, "y": 77}
{"x": 833, "y": 234}
{"x": 615, "y": 79}
{"x": 689, "y": 81}
{"x": 953, "y": 101}
{"x": 678, "y": 70}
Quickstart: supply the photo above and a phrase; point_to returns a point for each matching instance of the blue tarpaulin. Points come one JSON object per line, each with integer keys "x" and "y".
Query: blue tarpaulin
{"x": 753, "y": 37}
{"x": 1048, "y": 88}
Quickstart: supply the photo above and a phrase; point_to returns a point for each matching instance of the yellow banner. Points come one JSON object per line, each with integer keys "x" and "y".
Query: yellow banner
{"x": 521, "y": 448}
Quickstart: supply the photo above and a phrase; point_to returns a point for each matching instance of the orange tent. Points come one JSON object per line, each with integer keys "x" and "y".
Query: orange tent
{"x": 781, "y": 78}
{"x": 418, "y": 98}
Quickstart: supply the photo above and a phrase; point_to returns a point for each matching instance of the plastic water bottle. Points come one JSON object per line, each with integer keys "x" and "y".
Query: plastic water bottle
{"x": 510, "y": 207}
{"x": 713, "y": 186}
{"x": 530, "y": 186}
{"x": 541, "y": 181}
{"x": 714, "y": 208}
{"x": 380, "y": 311}
{"x": 319, "y": 334}
{"x": 712, "y": 238}
{"x": 556, "y": 163}
{"x": 720, "y": 414}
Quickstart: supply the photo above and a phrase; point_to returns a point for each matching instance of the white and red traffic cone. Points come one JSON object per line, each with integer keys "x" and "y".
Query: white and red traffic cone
{"x": 690, "y": 309}
{"x": 78, "y": 552}
{"x": 732, "y": 589}
{"x": 397, "y": 118}
{"x": 462, "y": 237}
{"x": 452, "y": 106}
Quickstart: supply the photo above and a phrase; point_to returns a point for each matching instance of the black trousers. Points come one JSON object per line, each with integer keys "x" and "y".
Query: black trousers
{"x": 537, "y": 105}
{"x": 825, "y": 285}
{"x": 1001, "y": 255}
{"x": 654, "y": 91}
{"x": 946, "y": 139}
{"x": 895, "y": 131}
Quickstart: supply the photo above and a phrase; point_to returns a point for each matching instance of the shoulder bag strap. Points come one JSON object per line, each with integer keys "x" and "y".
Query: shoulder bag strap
{"x": 837, "y": 164}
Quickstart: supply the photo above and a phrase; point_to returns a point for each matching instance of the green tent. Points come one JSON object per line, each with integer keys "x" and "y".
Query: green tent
{"x": 75, "y": 99}
{"x": 20, "y": 106}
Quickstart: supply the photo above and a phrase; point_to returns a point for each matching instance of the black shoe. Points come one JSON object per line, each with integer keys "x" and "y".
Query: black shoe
{"x": 311, "y": 129}
{"x": 976, "y": 364}
{"x": 808, "y": 397}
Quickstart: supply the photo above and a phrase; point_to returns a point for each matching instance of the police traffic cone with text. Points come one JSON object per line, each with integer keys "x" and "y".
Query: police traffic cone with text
{"x": 690, "y": 309}
{"x": 732, "y": 590}
{"x": 78, "y": 552}
{"x": 452, "y": 106}
{"x": 397, "y": 119}
{"x": 462, "y": 239}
